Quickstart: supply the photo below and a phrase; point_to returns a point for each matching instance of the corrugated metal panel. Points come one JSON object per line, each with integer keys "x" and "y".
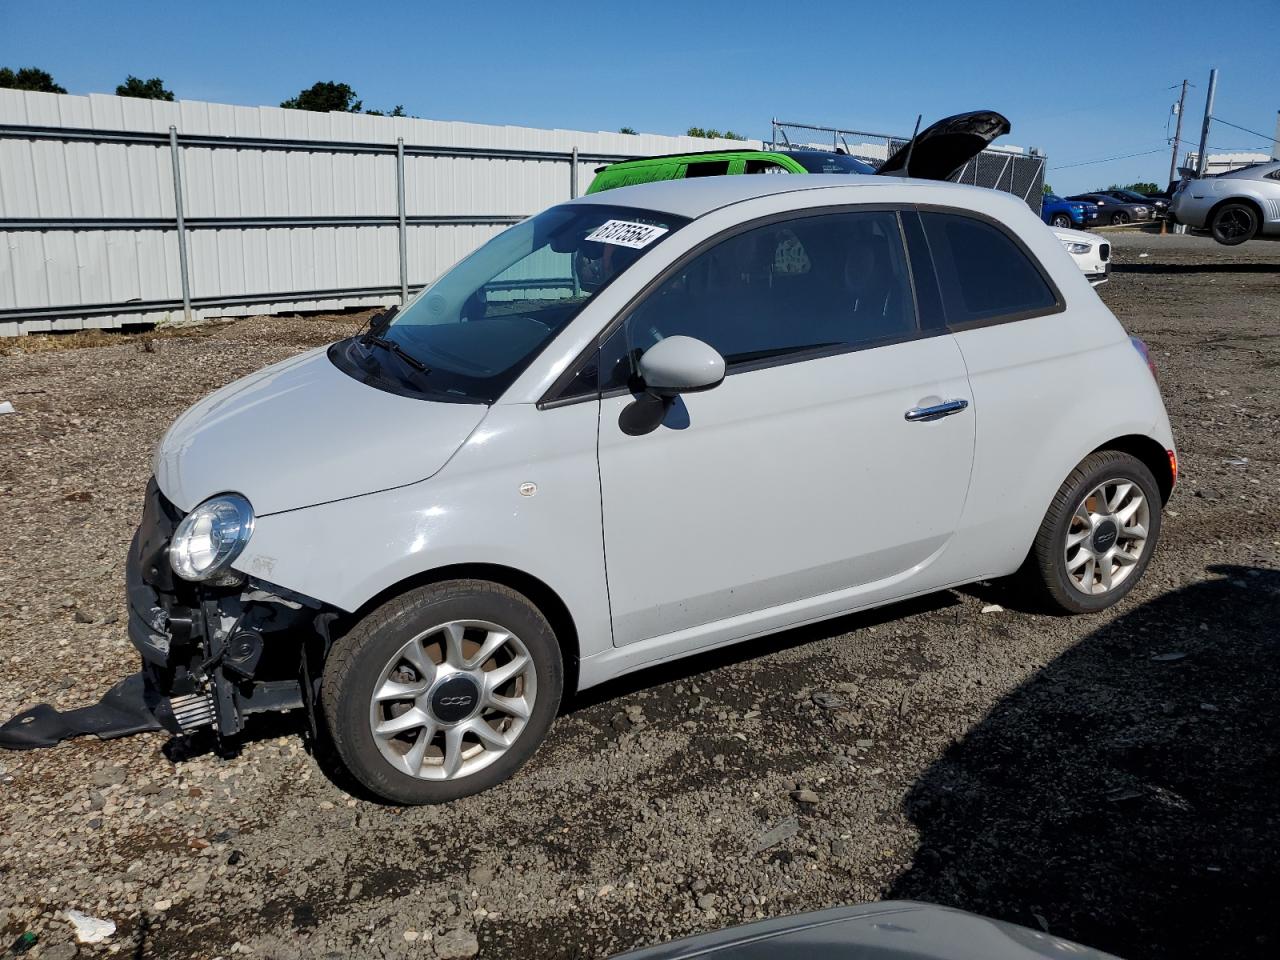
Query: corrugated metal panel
{"x": 78, "y": 179}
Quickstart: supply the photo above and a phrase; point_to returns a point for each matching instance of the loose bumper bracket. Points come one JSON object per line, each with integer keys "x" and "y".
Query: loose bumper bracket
{"x": 131, "y": 706}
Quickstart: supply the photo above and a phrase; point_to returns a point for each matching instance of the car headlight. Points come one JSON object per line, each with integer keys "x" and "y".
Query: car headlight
{"x": 210, "y": 537}
{"x": 1076, "y": 248}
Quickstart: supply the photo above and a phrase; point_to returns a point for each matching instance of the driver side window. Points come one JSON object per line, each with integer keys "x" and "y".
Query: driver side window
{"x": 812, "y": 285}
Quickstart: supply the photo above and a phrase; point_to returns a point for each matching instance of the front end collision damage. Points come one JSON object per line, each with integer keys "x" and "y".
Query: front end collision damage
{"x": 211, "y": 655}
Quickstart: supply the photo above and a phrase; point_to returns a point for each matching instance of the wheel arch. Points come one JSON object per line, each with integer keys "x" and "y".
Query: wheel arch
{"x": 1152, "y": 454}
{"x": 538, "y": 592}
{"x": 1240, "y": 198}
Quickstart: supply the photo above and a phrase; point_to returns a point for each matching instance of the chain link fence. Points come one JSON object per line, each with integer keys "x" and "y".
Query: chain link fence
{"x": 1021, "y": 174}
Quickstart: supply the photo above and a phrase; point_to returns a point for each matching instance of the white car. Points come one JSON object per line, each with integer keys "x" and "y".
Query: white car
{"x": 636, "y": 426}
{"x": 1092, "y": 253}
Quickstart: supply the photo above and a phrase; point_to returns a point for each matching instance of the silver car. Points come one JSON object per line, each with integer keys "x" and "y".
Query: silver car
{"x": 889, "y": 930}
{"x": 1235, "y": 206}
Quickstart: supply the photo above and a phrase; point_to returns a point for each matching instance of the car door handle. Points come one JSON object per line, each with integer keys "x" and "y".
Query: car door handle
{"x": 937, "y": 411}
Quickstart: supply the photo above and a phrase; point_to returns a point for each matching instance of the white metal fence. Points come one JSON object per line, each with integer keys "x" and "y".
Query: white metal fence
{"x": 117, "y": 211}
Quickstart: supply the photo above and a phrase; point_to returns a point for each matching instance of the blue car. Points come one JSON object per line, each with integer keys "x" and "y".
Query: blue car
{"x": 1057, "y": 212}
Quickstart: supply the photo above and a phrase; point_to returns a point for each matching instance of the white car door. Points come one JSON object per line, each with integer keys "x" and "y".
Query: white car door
{"x": 827, "y": 471}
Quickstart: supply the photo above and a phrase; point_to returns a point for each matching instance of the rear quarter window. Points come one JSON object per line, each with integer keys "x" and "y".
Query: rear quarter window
{"x": 984, "y": 275}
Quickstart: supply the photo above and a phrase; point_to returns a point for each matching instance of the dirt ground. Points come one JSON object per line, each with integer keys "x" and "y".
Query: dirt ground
{"x": 1112, "y": 778}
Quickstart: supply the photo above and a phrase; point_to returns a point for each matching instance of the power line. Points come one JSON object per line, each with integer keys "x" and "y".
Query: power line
{"x": 1125, "y": 156}
{"x": 1245, "y": 129}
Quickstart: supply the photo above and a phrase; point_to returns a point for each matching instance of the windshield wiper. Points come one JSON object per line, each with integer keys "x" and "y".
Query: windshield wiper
{"x": 374, "y": 340}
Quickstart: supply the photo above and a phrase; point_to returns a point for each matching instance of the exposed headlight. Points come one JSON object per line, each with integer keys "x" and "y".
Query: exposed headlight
{"x": 210, "y": 537}
{"x": 1077, "y": 248}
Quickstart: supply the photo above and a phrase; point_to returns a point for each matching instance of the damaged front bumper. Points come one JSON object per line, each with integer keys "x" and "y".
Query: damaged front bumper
{"x": 211, "y": 655}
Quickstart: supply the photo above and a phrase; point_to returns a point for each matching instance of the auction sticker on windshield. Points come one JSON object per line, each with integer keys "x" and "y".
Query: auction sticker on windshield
{"x": 624, "y": 233}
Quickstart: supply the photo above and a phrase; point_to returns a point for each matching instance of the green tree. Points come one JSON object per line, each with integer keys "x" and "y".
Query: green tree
{"x": 325, "y": 96}
{"x": 630, "y": 130}
{"x": 29, "y": 78}
{"x": 711, "y": 133}
{"x": 152, "y": 89}
{"x": 1046, "y": 189}
{"x": 1142, "y": 186}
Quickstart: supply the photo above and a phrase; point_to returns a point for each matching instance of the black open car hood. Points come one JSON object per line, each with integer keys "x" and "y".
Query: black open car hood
{"x": 939, "y": 151}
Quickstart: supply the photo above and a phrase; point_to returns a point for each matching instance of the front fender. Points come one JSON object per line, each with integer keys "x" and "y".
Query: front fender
{"x": 474, "y": 511}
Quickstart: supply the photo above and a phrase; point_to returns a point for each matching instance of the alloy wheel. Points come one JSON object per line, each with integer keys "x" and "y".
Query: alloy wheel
{"x": 1107, "y": 536}
{"x": 453, "y": 699}
{"x": 1235, "y": 222}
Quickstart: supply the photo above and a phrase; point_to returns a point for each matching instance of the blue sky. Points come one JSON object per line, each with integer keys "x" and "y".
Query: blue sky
{"x": 1081, "y": 82}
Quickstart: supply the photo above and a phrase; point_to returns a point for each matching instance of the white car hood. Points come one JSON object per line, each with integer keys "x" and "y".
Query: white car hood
{"x": 302, "y": 432}
{"x": 1078, "y": 236}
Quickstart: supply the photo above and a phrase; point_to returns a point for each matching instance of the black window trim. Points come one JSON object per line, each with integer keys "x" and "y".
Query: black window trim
{"x": 1059, "y": 304}
{"x": 552, "y": 398}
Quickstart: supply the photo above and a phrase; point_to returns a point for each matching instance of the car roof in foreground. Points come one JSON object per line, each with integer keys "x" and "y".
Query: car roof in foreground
{"x": 700, "y": 195}
{"x": 890, "y": 930}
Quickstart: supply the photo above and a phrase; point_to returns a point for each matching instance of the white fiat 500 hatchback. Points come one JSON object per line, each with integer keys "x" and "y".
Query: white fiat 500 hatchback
{"x": 639, "y": 425}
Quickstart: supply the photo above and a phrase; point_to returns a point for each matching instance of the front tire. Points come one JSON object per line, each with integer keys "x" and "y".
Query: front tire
{"x": 1234, "y": 223}
{"x": 1118, "y": 218}
{"x": 442, "y": 692}
{"x": 1099, "y": 533}
{"x": 1061, "y": 221}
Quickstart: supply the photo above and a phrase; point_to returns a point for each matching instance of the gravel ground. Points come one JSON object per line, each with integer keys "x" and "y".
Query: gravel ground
{"x": 1111, "y": 778}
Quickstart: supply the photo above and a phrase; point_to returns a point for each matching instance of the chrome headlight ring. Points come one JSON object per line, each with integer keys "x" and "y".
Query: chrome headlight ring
{"x": 210, "y": 537}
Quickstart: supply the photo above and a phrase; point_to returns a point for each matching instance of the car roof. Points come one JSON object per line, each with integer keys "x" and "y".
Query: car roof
{"x": 1250, "y": 172}
{"x": 700, "y": 195}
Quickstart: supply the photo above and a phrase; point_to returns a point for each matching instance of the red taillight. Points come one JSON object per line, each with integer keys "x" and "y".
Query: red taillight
{"x": 1145, "y": 354}
{"x": 1173, "y": 464}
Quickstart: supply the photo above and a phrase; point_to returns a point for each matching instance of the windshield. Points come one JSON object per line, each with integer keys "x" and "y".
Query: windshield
{"x": 467, "y": 336}
{"x": 815, "y": 161}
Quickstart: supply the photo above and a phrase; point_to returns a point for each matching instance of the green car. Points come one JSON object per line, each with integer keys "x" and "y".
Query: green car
{"x": 936, "y": 153}
{"x": 718, "y": 163}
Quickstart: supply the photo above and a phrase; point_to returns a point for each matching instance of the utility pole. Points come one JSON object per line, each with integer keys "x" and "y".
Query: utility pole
{"x": 1203, "y": 160}
{"x": 1177, "y": 134}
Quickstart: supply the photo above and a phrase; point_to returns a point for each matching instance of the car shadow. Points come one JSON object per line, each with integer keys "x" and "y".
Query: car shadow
{"x": 690, "y": 667}
{"x": 1128, "y": 795}
{"x": 1195, "y": 267}
{"x": 320, "y": 746}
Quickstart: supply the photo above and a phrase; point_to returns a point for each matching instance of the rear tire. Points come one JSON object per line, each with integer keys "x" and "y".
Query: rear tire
{"x": 1099, "y": 534}
{"x": 443, "y": 691}
{"x": 1234, "y": 223}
